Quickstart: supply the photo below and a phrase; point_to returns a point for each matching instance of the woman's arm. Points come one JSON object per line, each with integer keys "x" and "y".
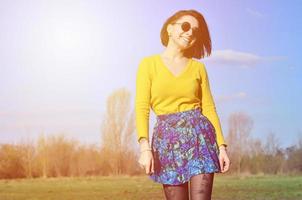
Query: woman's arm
{"x": 209, "y": 108}
{"x": 142, "y": 103}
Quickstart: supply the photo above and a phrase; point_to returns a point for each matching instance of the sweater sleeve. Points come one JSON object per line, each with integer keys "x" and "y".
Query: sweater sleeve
{"x": 142, "y": 100}
{"x": 208, "y": 106}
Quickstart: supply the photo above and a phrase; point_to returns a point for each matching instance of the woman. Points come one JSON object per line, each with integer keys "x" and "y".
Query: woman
{"x": 187, "y": 143}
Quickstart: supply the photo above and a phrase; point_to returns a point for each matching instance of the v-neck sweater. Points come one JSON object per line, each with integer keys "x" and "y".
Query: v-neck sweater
{"x": 164, "y": 92}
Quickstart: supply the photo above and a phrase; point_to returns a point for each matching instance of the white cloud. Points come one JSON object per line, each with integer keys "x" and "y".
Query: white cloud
{"x": 231, "y": 97}
{"x": 255, "y": 13}
{"x": 239, "y": 59}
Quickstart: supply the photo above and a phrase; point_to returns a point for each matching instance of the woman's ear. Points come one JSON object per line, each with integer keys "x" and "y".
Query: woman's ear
{"x": 169, "y": 29}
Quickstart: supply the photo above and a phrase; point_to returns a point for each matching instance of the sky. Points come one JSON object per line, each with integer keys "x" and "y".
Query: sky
{"x": 60, "y": 60}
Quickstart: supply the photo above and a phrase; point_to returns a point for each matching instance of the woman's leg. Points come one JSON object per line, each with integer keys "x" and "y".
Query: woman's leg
{"x": 176, "y": 192}
{"x": 201, "y": 186}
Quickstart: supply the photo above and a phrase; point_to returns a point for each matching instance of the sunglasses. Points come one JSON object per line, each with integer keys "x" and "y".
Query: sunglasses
{"x": 186, "y": 26}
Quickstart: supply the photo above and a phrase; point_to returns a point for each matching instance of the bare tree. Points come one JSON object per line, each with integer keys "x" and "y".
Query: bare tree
{"x": 240, "y": 125}
{"x": 272, "y": 143}
{"x": 42, "y": 156}
{"x": 11, "y": 163}
{"x": 60, "y": 154}
{"x": 274, "y": 156}
{"x": 117, "y": 130}
{"x": 294, "y": 156}
{"x": 27, "y": 149}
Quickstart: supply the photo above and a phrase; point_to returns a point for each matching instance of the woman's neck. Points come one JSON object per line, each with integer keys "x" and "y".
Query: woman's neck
{"x": 173, "y": 53}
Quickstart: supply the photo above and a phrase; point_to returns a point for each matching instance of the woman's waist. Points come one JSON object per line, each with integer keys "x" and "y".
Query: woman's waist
{"x": 180, "y": 113}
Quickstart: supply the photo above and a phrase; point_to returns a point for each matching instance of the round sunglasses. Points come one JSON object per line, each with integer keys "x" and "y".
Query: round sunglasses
{"x": 186, "y": 26}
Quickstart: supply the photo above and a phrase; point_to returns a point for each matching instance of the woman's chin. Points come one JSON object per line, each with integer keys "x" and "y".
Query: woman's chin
{"x": 185, "y": 47}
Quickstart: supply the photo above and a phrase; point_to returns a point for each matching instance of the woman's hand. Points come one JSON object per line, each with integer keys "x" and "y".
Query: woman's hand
{"x": 224, "y": 159}
{"x": 146, "y": 161}
{"x": 146, "y": 157}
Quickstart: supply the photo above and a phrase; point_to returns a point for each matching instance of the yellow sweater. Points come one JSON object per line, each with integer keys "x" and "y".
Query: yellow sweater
{"x": 158, "y": 88}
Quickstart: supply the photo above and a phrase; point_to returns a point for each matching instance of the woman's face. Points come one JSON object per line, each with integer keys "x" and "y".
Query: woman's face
{"x": 184, "y": 35}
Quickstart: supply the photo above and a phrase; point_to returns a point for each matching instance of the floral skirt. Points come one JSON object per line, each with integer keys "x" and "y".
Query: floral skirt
{"x": 183, "y": 144}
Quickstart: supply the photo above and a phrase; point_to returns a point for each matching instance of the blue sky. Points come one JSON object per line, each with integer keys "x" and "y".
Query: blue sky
{"x": 60, "y": 60}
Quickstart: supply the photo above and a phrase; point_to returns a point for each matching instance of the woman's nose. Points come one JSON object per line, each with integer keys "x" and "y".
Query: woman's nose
{"x": 188, "y": 33}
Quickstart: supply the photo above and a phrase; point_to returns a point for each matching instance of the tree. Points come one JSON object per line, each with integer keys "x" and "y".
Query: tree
{"x": 42, "y": 156}
{"x": 28, "y": 153}
{"x": 117, "y": 130}
{"x": 11, "y": 163}
{"x": 240, "y": 125}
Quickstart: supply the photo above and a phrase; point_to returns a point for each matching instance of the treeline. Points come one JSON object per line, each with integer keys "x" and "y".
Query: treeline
{"x": 260, "y": 155}
{"x": 57, "y": 155}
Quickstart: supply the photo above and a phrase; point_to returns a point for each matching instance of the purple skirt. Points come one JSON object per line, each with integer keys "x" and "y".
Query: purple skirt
{"x": 183, "y": 144}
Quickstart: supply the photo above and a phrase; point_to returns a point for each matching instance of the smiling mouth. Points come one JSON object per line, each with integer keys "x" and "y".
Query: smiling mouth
{"x": 186, "y": 39}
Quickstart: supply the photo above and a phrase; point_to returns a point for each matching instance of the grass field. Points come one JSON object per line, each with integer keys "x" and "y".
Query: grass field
{"x": 141, "y": 187}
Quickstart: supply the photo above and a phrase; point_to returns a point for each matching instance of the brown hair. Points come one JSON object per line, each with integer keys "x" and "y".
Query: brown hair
{"x": 203, "y": 42}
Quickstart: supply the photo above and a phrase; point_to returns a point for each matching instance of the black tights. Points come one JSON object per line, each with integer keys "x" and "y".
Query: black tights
{"x": 200, "y": 188}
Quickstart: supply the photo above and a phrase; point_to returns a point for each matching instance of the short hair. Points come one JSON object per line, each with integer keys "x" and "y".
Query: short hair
{"x": 202, "y": 44}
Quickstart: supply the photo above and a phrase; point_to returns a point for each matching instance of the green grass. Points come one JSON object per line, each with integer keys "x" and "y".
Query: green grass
{"x": 141, "y": 187}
